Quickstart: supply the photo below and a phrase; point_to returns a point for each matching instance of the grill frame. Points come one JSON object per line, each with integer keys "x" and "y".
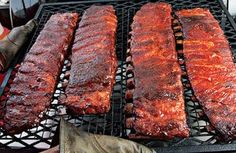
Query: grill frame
{"x": 127, "y": 10}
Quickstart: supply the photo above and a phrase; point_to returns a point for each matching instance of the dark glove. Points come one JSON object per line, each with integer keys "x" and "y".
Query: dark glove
{"x": 74, "y": 140}
{"x": 12, "y": 43}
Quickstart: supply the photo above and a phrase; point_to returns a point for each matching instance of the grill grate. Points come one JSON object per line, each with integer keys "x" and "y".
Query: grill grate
{"x": 113, "y": 122}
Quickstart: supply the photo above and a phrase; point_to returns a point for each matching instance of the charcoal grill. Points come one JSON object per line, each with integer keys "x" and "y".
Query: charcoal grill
{"x": 45, "y": 135}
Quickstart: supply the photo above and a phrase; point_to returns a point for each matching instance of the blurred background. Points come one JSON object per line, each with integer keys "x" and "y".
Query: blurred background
{"x": 17, "y": 12}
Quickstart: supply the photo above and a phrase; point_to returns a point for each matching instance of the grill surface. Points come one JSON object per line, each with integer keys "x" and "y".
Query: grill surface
{"x": 113, "y": 122}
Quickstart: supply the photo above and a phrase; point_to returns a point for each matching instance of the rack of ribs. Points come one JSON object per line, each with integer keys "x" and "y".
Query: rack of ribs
{"x": 94, "y": 63}
{"x": 33, "y": 86}
{"x": 210, "y": 68}
{"x": 157, "y": 93}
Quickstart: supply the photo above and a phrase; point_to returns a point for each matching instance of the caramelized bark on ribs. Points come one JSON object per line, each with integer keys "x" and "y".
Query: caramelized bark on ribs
{"x": 158, "y": 94}
{"x": 33, "y": 86}
{"x": 210, "y": 68}
{"x": 94, "y": 63}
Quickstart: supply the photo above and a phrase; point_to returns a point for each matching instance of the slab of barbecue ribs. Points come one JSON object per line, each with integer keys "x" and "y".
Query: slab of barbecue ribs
{"x": 33, "y": 86}
{"x": 210, "y": 68}
{"x": 158, "y": 94}
{"x": 94, "y": 63}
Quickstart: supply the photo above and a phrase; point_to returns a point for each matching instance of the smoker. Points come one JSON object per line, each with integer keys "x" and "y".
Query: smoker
{"x": 46, "y": 134}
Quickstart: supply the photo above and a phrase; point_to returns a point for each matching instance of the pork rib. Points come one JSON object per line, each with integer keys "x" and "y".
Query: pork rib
{"x": 94, "y": 63}
{"x": 210, "y": 68}
{"x": 33, "y": 86}
{"x": 158, "y": 95}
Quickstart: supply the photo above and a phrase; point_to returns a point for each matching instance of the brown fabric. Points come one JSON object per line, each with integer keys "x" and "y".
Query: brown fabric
{"x": 74, "y": 140}
{"x": 11, "y": 44}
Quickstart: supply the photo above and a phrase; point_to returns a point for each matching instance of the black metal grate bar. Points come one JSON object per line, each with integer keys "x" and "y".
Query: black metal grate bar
{"x": 112, "y": 123}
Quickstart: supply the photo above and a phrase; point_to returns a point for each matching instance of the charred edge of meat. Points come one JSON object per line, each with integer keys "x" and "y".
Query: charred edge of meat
{"x": 130, "y": 88}
{"x": 176, "y": 26}
{"x": 179, "y": 48}
{"x": 179, "y": 42}
{"x": 129, "y": 106}
{"x": 130, "y": 83}
{"x": 176, "y": 22}
{"x": 184, "y": 73}
{"x": 129, "y": 64}
{"x": 128, "y": 109}
{"x": 179, "y": 35}
{"x": 129, "y": 124}
{"x": 179, "y": 38}
{"x": 129, "y": 77}
{"x": 128, "y": 51}
{"x": 129, "y": 95}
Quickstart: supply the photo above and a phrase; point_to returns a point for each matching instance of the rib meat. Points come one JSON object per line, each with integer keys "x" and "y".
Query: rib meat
{"x": 158, "y": 95}
{"x": 94, "y": 63}
{"x": 33, "y": 86}
{"x": 210, "y": 68}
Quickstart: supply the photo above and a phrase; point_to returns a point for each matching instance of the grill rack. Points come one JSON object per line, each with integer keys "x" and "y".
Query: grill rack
{"x": 113, "y": 122}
